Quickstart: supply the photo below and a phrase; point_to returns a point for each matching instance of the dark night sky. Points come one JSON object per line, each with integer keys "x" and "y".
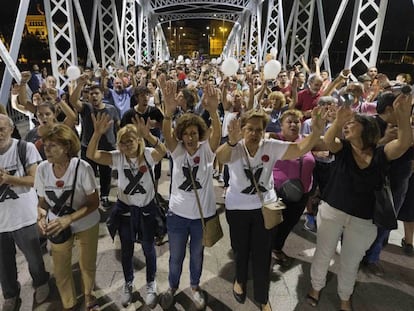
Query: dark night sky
{"x": 399, "y": 22}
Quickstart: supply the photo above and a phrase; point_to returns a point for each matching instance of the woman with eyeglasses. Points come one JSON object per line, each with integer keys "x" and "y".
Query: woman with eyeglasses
{"x": 135, "y": 208}
{"x": 251, "y": 159}
{"x": 192, "y": 152}
{"x": 68, "y": 197}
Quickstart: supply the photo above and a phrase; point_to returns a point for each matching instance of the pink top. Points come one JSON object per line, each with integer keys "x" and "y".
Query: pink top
{"x": 289, "y": 169}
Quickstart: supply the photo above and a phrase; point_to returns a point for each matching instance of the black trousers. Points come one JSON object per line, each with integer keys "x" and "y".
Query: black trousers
{"x": 249, "y": 237}
{"x": 105, "y": 173}
{"x": 291, "y": 216}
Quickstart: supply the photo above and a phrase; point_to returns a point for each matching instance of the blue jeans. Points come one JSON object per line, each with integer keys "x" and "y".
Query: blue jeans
{"x": 147, "y": 243}
{"x": 27, "y": 239}
{"x": 179, "y": 229}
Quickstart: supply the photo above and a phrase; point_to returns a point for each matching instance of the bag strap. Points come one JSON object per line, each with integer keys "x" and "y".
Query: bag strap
{"x": 21, "y": 151}
{"x": 73, "y": 189}
{"x": 152, "y": 178}
{"x": 300, "y": 167}
{"x": 259, "y": 193}
{"x": 196, "y": 194}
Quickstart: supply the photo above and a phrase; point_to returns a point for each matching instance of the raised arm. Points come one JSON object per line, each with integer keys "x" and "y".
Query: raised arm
{"x": 144, "y": 131}
{"x": 101, "y": 123}
{"x": 341, "y": 79}
{"x": 235, "y": 135}
{"x": 332, "y": 135}
{"x": 169, "y": 90}
{"x": 298, "y": 149}
{"x": 210, "y": 103}
{"x": 402, "y": 108}
{"x": 74, "y": 98}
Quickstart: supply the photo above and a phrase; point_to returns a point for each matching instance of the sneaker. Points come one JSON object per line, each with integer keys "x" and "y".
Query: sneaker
{"x": 167, "y": 299}
{"x": 199, "y": 299}
{"x": 407, "y": 248}
{"x": 151, "y": 298}
{"x": 126, "y": 298}
{"x": 310, "y": 223}
{"x": 215, "y": 173}
{"x": 11, "y": 304}
{"x": 106, "y": 204}
{"x": 220, "y": 178}
{"x": 374, "y": 268}
{"x": 41, "y": 293}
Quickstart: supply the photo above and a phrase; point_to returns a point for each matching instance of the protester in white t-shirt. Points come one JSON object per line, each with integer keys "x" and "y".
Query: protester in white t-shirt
{"x": 18, "y": 215}
{"x": 193, "y": 157}
{"x": 65, "y": 180}
{"x": 248, "y": 235}
{"x": 135, "y": 207}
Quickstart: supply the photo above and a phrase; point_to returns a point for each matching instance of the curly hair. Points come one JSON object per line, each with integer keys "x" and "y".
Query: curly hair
{"x": 278, "y": 96}
{"x": 63, "y": 135}
{"x": 291, "y": 112}
{"x": 190, "y": 119}
{"x": 253, "y": 113}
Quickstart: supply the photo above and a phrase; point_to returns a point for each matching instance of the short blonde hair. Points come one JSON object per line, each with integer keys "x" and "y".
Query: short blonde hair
{"x": 63, "y": 135}
{"x": 253, "y": 113}
{"x": 291, "y": 113}
{"x": 131, "y": 130}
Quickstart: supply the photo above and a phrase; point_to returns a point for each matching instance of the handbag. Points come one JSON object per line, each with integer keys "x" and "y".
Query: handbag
{"x": 161, "y": 212}
{"x": 66, "y": 233}
{"x": 292, "y": 190}
{"x": 212, "y": 231}
{"x": 385, "y": 215}
{"x": 271, "y": 211}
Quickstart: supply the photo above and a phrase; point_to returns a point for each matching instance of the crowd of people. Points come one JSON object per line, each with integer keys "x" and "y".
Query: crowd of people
{"x": 322, "y": 146}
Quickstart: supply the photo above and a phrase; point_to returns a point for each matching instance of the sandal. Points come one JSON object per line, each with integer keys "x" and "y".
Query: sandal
{"x": 348, "y": 304}
{"x": 91, "y": 303}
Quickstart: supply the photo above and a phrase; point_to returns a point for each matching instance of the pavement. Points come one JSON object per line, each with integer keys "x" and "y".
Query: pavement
{"x": 288, "y": 288}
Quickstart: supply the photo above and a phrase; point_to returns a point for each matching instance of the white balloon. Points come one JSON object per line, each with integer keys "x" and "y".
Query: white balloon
{"x": 188, "y": 61}
{"x": 214, "y": 61}
{"x": 230, "y": 66}
{"x": 218, "y": 60}
{"x": 273, "y": 52}
{"x": 73, "y": 72}
{"x": 180, "y": 58}
{"x": 271, "y": 69}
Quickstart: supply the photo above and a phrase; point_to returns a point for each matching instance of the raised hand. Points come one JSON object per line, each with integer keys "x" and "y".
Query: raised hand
{"x": 343, "y": 115}
{"x": 142, "y": 127}
{"x": 26, "y": 76}
{"x": 402, "y": 106}
{"x": 210, "y": 98}
{"x": 101, "y": 122}
{"x": 234, "y": 129}
{"x": 319, "y": 115}
{"x": 83, "y": 79}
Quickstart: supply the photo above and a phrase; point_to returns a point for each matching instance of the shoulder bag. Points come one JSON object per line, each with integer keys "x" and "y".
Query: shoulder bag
{"x": 212, "y": 231}
{"x": 384, "y": 211}
{"x": 291, "y": 190}
{"x": 272, "y": 211}
{"x": 66, "y": 233}
{"x": 161, "y": 212}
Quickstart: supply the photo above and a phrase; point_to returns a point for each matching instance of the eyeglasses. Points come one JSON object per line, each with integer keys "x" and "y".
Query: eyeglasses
{"x": 127, "y": 142}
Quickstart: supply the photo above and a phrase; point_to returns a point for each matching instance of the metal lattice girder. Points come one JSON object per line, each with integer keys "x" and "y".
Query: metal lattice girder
{"x": 165, "y": 18}
{"x": 143, "y": 32}
{"x": 107, "y": 19}
{"x": 162, "y": 4}
{"x": 93, "y": 27}
{"x": 302, "y": 30}
{"x": 129, "y": 21}
{"x": 274, "y": 27}
{"x": 62, "y": 40}
{"x": 230, "y": 46}
{"x": 89, "y": 44}
{"x": 161, "y": 46}
{"x": 244, "y": 47}
{"x": 253, "y": 38}
{"x": 14, "y": 51}
{"x": 367, "y": 23}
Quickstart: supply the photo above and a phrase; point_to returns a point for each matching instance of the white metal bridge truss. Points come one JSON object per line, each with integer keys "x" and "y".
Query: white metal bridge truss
{"x": 132, "y": 30}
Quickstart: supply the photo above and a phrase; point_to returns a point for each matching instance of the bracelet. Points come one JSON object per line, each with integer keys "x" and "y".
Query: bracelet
{"x": 157, "y": 143}
{"x": 232, "y": 145}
